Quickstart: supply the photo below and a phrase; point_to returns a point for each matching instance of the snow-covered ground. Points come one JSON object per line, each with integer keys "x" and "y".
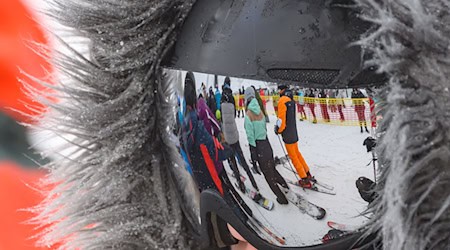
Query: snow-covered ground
{"x": 336, "y": 156}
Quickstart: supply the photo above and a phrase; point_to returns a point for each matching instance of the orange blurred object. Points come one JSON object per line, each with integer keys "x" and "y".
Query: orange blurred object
{"x": 16, "y": 193}
{"x": 17, "y": 29}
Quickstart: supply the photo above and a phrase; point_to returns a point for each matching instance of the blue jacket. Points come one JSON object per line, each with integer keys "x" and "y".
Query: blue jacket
{"x": 218, "y": 98}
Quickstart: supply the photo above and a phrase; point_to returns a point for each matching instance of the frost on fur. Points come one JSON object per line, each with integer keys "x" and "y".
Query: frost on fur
{"x": 411, "y": 44}
{"x": 118, "y": 190}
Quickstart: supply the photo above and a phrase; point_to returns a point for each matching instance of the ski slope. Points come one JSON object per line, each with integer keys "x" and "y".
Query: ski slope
{"x": 336, "y": 156}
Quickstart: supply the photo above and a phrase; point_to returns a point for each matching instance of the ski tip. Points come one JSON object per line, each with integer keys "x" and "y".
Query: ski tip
{"x": 330, "y": 224}
{"x": 323, "y": 212}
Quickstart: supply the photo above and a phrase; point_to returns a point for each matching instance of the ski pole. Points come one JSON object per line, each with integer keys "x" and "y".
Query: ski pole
{"x": 286, "y": 155}
{"x": 374, "y": 167}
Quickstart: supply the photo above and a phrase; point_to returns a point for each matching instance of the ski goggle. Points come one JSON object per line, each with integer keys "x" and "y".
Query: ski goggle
{"x": 263, "y": 190}
{"x": 287, "y": 184}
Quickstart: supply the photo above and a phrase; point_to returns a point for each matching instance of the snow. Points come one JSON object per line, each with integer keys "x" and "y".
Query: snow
{"x": 336, "y": 156}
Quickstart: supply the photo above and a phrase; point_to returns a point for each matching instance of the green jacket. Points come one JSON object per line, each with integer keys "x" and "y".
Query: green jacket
{"x": 255, "y": 123}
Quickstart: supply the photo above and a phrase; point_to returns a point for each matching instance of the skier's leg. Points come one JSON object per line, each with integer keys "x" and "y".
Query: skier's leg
{"x": 312, "y": 107}
{"x": 279, "y": 179}
{"x": 254, "y": 158}
{"x": 292, "y": 152}
{"x": 269, "y": 175}
{"x": 301, "y": 159}
{"x": 265, "y": 159}
{"x": 237, "y": 174}
{"x": 341, "y": 113}
{"x": 230, "y": 194}
{"x": 238, "y": 150}
{"x": 327, "y": 113}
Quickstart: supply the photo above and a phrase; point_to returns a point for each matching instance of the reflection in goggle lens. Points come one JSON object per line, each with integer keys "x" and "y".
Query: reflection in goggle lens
{"x": 286, "y": 158}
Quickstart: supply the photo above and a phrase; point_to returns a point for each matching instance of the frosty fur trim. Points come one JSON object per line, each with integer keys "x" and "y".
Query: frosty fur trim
{"x": 120, "y": 186}
{"x": 411, "y": 44}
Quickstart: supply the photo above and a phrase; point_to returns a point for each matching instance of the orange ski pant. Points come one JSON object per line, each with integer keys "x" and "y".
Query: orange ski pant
{"x": 297, "y": 159}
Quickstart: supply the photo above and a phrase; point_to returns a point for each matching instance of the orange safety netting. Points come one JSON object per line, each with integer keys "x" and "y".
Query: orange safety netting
{"x": 333, "y": 111}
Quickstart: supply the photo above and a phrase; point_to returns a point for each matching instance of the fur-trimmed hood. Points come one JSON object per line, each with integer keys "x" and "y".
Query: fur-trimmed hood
{"x": 411, "y": 43}
{"x": 118, "y": 189}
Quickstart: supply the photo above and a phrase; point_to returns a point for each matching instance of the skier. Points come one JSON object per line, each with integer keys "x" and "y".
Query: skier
{"x": 323, "y": 105}
{"x": 332, "y": 100}
{"x": 204, "y": 151}
{"x": 360, "y": 108}
{"x": 203, "y": 90}
{"x": 275, "y": 99}
{"x": 241, "y": 102}
{"x": 231, "y": 132}
{"x": 218, "y": 97}
{"x": 211, "y": 101}
{"x": 213, "y": 128}
{"x": 287, "y": 127}
{"x": 340, "y": 103}
{"x": 255, "y": 127}
{"x": 301, "y": 104}
{"x": 209, "y": 120}
{"x": 311, "y": 103}
{"x": 262, "y": 94}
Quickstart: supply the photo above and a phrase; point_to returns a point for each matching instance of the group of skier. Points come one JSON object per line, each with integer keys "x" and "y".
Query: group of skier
{"x": 214, "y": 100}
{"x": 208, "y": 141}
{"x": 328, "y": 100}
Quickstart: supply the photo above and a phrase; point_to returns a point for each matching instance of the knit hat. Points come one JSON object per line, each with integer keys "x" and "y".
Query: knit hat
{"x": 249, "y": 93}
{"x": 190, "y": 94}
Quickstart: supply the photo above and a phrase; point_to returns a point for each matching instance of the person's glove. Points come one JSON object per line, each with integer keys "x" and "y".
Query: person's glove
{"x": 253, "y": 153}
{"x": 275, "y": 129}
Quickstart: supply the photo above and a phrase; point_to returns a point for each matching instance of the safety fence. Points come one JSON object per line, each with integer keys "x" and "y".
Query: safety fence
{"x": 333, "y": 111}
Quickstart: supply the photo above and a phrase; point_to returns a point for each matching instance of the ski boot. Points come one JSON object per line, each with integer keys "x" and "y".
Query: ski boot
{"x": 305, "y": 183}
{"x": 332, "y": 234}
{"x": 314, "y": 121}
{"x": 282, "y": 201}
{"x": 310, "y": 177}
{"x": 367, "y": 131}
{"x": 255, "y": 169}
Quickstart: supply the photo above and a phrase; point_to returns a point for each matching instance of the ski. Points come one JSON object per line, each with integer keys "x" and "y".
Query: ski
{"x": 342, "y": 227}
{"x": 260, "y": 227}
{"x": 326, "y": 186}
{"x": 281, "y": 240}
{"x": 305, "y": 206}
{"x": 314, "y": 187}
{"x": 258, "y": 198}
{"x": 282, "y": 162}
